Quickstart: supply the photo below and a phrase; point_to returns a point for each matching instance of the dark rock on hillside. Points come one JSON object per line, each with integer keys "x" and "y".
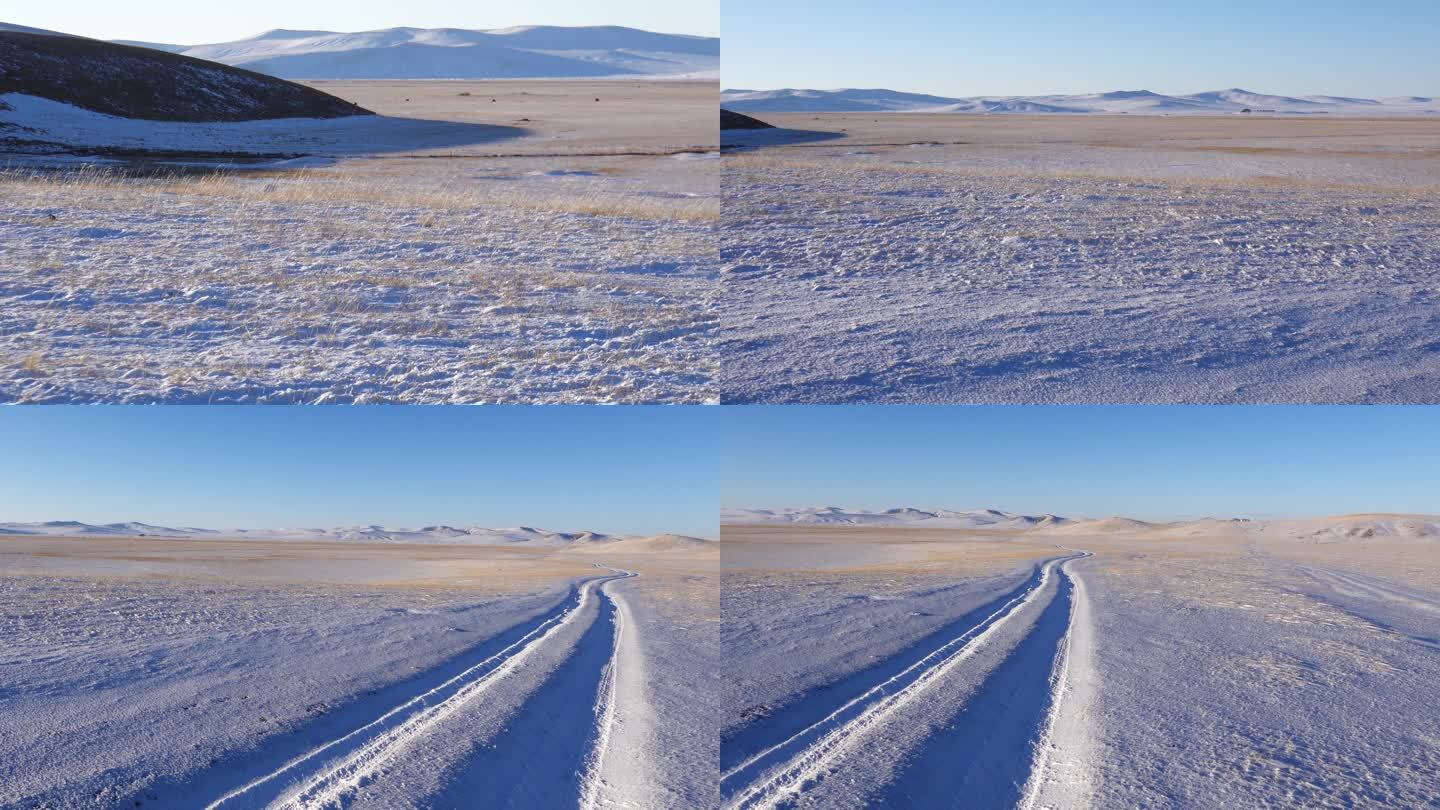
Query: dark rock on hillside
{"x": 134, "y": 82}
{"x": 734, "y": 120}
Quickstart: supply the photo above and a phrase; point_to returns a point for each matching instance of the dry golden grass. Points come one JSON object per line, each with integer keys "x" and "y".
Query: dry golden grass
{"x": 324, "y": 188}
{"x": 368, "y": 565}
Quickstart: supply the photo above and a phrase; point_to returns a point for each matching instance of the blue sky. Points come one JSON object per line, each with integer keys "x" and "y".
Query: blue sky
{"x": 1298, "y": 47}
{"x": 1144, "y": 462}
{"x": 620, "y": 470}
{"x": 189, "y": 23}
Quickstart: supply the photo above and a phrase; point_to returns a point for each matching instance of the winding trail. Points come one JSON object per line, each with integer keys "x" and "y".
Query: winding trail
{"x": 328, "y": 774}
{"x": 784, "y": 772}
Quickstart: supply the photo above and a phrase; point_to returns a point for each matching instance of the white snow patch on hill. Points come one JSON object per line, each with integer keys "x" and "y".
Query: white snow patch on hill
{"x": 1139, "y": 102}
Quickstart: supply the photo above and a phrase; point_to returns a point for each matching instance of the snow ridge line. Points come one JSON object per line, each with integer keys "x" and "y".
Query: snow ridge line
{"x": 1046, "y": 744}
{"x": 873, "y": 706}
{"x": 386, "y": 741}
{"x": 592, "y": 782}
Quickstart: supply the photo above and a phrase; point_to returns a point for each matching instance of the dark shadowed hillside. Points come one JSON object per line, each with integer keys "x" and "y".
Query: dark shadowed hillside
{"x": 134, "y": 82}
{"x": 734, "y": 120}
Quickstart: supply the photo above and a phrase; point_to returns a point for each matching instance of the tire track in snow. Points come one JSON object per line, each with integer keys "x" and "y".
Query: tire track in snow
{"x": 783, "y": 771}
{"x": 1389, "y": 607}
{"x": 1060, "y": 776}
{"x": 593, "y": 789}
{"x": 325, "y": 775}
{"x": 1353, "y": 584}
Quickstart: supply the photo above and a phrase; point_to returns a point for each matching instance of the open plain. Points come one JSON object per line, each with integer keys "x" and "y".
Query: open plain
{"x": 475, "y": 242}
{"x": 1092, "y": 258}
{"x": 1103, "y": 663}
{"x": 180, "y": 672}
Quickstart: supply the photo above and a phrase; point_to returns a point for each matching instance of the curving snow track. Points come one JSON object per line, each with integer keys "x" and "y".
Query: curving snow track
{"x": 328, "y": 774}
{"x": 1060, "y": 776}
{"x": 782, "y": 773}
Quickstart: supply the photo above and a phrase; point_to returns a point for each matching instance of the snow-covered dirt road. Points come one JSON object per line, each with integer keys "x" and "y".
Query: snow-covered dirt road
{"x": 518, "y": 730}
{"x": 1184, "y": 665}
{"x": 404, "y": 710}
{"x": 977, "y": 713}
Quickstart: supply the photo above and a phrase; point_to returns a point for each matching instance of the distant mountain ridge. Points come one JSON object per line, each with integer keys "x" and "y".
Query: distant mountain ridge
{"x": 902, "y": 516}
{"x": 1333, "y": 529}
{"x": 439, "y": 534}
{"x": 539, "y": 51}
{"x": 1138, "y": 102}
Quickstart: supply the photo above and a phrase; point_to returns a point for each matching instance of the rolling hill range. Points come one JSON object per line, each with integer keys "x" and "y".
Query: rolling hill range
{"x": 473, "y": 535}
{"x": 1319, "y": 530}
{"x": 453, "y": 53}
{"x": 1129, "y": 102}
{"x": 904, "y": 516}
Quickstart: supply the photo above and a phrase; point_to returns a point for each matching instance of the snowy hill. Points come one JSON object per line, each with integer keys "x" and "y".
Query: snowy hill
{"x": 519, "y": 535}
{"x": 453, "y": 53}
{"x": 1358, "y": 528}
{"x": 139, "y": 83}
{"x": 72, "y": 528}
{"x": 1129, "y": 102}
{"x": 904, "y": 516}
{"x": 849, "y": 100}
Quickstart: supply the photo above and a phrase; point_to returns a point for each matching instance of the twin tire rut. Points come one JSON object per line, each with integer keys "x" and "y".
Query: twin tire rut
{"x": 1011, "y": 723}
{"x": 328, "y": 775}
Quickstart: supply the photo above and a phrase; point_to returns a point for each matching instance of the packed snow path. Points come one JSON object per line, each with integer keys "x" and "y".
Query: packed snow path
{"x": 985, "y": 714}
{"x": 331, "y": 774}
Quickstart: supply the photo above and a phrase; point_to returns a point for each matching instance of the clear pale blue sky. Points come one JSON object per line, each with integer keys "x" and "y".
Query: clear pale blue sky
{"x": 618, "y": 470}
{"x": 963, "y": 47}
{"x": 186, "y": 22}
{"x": 1144, "y": 462}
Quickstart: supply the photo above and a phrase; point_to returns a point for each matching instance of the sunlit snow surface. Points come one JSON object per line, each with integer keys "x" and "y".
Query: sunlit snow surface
{"x": 912, "y": 258}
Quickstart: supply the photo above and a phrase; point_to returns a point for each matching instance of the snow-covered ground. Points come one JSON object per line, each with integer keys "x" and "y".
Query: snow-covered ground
{"x": 1103, "y": 663}
{"x": 1043, "y": 259}
{"x": 1126, "y": 102}
{"x": 572, "y": 263}
{"x": 548, "y": 682}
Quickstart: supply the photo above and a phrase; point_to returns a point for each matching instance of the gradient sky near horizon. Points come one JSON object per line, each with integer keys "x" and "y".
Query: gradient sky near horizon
{"x": 964, "y": 48}
{"x": 630, "y": 470}
{"x": 1157, "y": 463}
{"x": 187, "y": 23}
